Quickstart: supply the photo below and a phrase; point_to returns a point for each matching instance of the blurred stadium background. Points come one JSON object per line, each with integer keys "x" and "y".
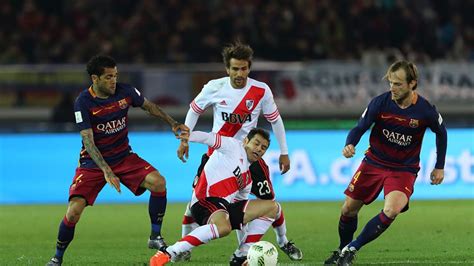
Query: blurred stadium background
{"x": 323, "y": 59}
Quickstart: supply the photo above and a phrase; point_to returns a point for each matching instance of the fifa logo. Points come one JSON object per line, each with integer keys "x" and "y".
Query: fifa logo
{"x": 236, "y": 118}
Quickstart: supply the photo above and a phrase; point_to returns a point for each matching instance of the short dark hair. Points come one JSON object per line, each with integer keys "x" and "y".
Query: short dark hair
{"x": 97, "y": 63}
{"x": 260, "y": 131}
{"x": 237, "y": 51}
{"x": 410, "y": 70}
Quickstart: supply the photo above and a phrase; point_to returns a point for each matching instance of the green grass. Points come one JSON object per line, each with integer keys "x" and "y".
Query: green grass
{"x": 431, "y": 233}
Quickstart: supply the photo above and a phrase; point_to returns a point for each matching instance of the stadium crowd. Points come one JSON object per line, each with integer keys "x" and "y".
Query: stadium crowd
{"x": 175, "y": 31}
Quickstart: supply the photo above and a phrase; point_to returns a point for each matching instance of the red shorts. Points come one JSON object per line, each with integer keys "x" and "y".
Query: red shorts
{"x": 131, "y": 171}
{"x": 369, "y": 180}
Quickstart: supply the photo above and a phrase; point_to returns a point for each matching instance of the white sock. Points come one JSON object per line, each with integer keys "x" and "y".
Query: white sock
{"x": 188, "y": 224}
{"x": 241, "y": 233}
{"x": 240, "y": 237}
{"x": 280, "y": 228}
{"x": 253, "y": 233}
{"x": 201, "y": 235}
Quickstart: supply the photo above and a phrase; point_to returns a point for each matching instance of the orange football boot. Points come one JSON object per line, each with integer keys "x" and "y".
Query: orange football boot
{"x": 159, "y": 259}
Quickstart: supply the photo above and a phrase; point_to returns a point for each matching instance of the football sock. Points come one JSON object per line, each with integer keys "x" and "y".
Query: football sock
{"x": 65, "y": 236}
{"x": 201, "y": 235}
{"x": 156, "y": 210}
{"x": 347, "y": 228}
{"x": 279, "y": 226}
{"x": 241, "y": 234}
{"x": 254, "y": 233}
{"x": 188, "y": 225}
{"x": 374, "y": 228}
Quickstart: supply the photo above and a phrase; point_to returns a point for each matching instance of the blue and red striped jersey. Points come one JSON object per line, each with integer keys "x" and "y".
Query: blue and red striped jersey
{"x": 396, "y": 137}
{"x": 108, "y": 119}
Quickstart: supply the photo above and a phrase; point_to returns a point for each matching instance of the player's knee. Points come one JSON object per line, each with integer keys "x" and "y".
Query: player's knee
{"x": 73, "y": 217}
{"x": 391, "y": 212}
{"x": 74, "y": 212}
{"x": 273, "y": 210}
{"x": 159, "y": 184}
{"x": 224, "y": 228}
{"x": 349, "y": 211}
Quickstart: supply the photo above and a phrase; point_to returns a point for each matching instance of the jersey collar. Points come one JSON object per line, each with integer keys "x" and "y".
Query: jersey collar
{"x": 92, "y": 92}
{"x": 415, "y": 98}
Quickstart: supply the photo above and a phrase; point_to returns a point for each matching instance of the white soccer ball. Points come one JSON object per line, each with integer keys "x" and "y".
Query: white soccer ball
{"x": 262, "y": 253}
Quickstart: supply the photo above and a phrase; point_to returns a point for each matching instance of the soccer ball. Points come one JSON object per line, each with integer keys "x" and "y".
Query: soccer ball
{"x": 262, "y": 253}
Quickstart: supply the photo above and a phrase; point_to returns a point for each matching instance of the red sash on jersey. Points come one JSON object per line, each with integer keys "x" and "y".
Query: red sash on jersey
{"x": 254, "y": 94}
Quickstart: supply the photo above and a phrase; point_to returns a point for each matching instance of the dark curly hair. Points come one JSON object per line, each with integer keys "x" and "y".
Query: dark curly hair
{"x": 238, "y": 51}
{"x": 97, "y": 63}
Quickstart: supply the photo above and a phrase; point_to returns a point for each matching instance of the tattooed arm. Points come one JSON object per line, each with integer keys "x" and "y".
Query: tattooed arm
{"x": 154, "y": 110}
{"x": 88, "y": 141}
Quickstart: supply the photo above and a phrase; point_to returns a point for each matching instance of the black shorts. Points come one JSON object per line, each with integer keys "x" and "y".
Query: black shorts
{"x": 203, "y": 209}
{"x": 262, "y": 186}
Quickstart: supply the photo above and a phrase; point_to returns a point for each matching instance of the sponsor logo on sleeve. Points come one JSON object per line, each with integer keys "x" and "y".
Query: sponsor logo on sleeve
{"x": 78, "y": 117}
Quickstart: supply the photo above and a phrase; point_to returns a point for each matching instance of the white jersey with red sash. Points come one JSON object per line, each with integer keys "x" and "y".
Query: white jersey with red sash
{"x": 226, "y": 175}
{"x": 236, "y": 111}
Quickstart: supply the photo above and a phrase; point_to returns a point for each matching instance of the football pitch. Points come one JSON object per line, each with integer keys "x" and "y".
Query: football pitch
{"x": 430, "y": 233}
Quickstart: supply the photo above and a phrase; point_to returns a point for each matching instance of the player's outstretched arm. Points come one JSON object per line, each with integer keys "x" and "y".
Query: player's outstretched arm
{"x": 154, "y": 110}
{"x": 88, "y": 141}
{"x": 279, "y": 130}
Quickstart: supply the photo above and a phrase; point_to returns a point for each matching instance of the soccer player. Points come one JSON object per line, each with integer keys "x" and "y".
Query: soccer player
{"x": 237, "y": 101}
{"x": 400, "y": 118}
{"x": 101, "y": 113}
{"x": 220, "y": 202}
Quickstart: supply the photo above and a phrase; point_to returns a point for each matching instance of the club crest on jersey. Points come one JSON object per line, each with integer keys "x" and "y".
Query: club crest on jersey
{"x": 249, "y": 104}
{"x": 123, "y": 104}
{"x": 414, "y": 123}
{"x": 350, "y": 187}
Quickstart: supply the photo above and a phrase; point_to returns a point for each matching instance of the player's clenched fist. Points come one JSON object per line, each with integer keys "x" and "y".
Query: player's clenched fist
{"x": 348, "y": 151}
